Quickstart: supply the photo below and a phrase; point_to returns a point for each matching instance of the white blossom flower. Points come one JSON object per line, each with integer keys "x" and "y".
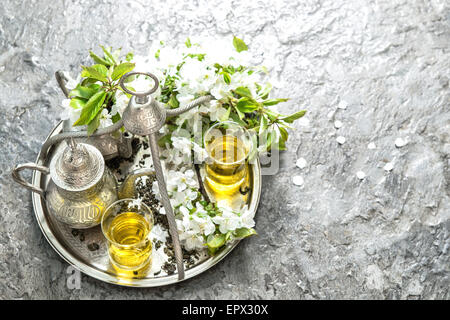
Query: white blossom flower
{"x": 192, "y": 240}
{"x": 228, "y": 221}
{"x": 71, "y": 83}
{"x": 200, "y": 153}
{"x": 105, "y": 119}
{"x": 247, "y": 219}
{"x": 215, "y": 111}
{"x": 121, "y": 103}
{"x": 184, "y": 145}
{"x": 205, "y": 224}
{"x": 67, "y": 110}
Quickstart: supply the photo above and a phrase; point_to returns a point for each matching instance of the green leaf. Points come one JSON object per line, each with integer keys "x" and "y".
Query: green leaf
{"x": 188, "y": 43}
{"x": 129, "y": 56}
{"x": 284, "y": 135}
{"x": 226, "y": 115}
{"x": 129, "y": 88}
{"x": 97, "y": 71}
{"x": 244, "y": 233}
{"x": 270, "y": 139}
{"x": 173, "y": 101}
{"x": 116, "y": 117}
{"x": 116, "y": 54}
{"x": 99, "y": 60}
{"x": 121, "y": 69}
{"x": 131, "y": 79}
{"x": 243, "y": 92}
{"x": 272, "y": 102}
{"x": 291, "y": 118}
{"x": 82, "y": 92}
{"x": 239, "y": 44}
{"x": 94, "y": 86}
{"x": 94, "y": 124}
{"x": 216, "y": 241}
{"x": 246, "y": 105}
{"x": 88, "y": 81}
{"x": 77, "y": 103}
{"x": 237, "y": 117}
{"x": 229, "y": 69}
{"x": 164, "y": 140}
{"x": 226, "y": 77}
{"x": 264, "y": 124}
{"x": 265, "y": 93}
{"x": 281, "y": 144}
{"x": 108, "y": 56}
{"x": 198, "y": 56}
{"x": 273, "y": 116}
{"x": 91, "y": 108}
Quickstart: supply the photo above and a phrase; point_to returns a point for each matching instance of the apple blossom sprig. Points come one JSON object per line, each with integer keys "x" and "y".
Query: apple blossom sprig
{"x": 239, "y": 94}
{"x": 98, "y": 87}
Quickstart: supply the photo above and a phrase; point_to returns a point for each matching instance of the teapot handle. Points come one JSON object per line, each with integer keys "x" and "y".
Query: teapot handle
{"x": 18, "y": 178}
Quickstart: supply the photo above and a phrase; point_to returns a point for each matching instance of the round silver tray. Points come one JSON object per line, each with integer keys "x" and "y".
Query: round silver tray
{"x": 96, "y": 263}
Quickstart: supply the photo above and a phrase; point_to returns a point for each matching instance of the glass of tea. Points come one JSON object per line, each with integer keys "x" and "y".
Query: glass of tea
{"x": 126, "y": 224}
{"x": 228, "y": 145}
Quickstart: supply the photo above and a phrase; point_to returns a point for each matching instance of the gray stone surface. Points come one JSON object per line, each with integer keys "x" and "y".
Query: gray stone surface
{"x": 386, "y": 236}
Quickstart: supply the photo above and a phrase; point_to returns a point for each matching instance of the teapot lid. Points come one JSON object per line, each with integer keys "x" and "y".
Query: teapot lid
{"x": 77, "y": 167}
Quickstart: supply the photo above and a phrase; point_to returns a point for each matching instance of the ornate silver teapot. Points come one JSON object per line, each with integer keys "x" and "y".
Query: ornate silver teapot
{"x": 81, "y": 186}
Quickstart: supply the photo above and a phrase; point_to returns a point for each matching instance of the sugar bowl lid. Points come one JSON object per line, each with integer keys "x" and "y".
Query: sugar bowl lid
{"x": 77, "y": 167}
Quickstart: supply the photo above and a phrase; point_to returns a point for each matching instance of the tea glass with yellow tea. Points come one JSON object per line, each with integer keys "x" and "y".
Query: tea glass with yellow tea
{"x": 228, "y": 146}
{"x": 126, "y": 225}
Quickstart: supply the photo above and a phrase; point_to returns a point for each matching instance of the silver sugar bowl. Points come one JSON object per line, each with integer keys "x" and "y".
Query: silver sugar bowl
{"x": 81, "y": 186}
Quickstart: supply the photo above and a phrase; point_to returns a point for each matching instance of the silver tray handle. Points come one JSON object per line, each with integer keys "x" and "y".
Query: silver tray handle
{"x": 18, "y": 178}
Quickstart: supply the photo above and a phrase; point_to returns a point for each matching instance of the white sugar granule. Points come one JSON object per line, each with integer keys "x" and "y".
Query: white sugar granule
{"x": 301, "y": 163}
{"x": 342, "y": 105}
{"x": 399, "y": 142}
{"x": 298, "y": 180}
{"x": 361, "y": 175}
{"x": 337, "y": 124}
{"x": 340, "y": 139}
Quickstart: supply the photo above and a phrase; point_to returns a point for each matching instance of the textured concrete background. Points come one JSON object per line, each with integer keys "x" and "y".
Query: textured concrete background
{"x": 386, "y": 236}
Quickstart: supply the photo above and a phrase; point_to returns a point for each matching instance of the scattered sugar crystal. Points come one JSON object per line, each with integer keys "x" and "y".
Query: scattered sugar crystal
{"x": 361, "y": 175}
{"x": 342, "y": 105}
{"x": 330, "y": 114}
{"x": 388, "y": 167}
{"x": 298, "y": 180}
{"x": 340, "y": 139}
{"x": 399, "y": 142}
{"x": 301, "y": 163}
{"x": 337, "y": 124}
{"x": 371, "y": 146}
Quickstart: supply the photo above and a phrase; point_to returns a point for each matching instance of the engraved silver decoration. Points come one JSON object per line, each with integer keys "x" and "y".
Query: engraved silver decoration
{"x": 81, "y": 187}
